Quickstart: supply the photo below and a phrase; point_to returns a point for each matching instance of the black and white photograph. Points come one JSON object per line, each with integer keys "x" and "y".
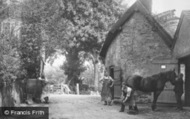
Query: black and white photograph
{"x": 94, "y": 59}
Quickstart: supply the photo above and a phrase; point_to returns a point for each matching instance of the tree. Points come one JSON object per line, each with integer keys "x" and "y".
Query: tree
{"x": 10, "y": 68}
{"x": 77, "y": 27}
{"x": 88, "y": 22}
{"x": 53, "y": 72}
{"x": 33, "y": 37}
{"x": 30, "y": 48}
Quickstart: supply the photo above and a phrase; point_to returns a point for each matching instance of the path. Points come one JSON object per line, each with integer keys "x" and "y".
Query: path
{"x": 90, "y": 107}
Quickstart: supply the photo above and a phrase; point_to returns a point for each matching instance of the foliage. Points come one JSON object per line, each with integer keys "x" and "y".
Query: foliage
{"x": 53, "y": 72}
{"x": 32, "y": 37}
{"x": 87, "y": 24}
{"x": 88, "y": 74}
{"x": 77, "y": 27}
{"x": 30, "y": 50}
{"x": 18, "y": 53}
{"x": 10, "y": 68}
{"x": 10, "y": 65}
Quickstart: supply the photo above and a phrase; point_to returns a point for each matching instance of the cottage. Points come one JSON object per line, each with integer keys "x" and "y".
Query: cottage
{"x": 138, "y": 44}
{"x": 181, "y": 51}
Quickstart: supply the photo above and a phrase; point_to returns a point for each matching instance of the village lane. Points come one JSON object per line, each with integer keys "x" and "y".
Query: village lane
{"x": 90, "y": 107}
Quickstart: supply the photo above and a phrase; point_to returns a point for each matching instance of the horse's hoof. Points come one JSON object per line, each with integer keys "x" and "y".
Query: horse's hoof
{"x": 136, "y": 109}
{"x": 130, "y": 107}
{"x": 132, "y": 112}
{"x": 121, "y": 110}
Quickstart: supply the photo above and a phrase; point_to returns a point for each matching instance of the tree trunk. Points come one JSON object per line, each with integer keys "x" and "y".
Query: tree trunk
{"x": 70, "y": 82}
{"x": 16, "y": 94}
{"x": 7, "y": 99}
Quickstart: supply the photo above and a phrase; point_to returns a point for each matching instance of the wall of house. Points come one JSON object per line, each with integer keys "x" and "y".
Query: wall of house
{"x": 182, "y": 52}
{"x": 137, "y": 47}
{"x": 182, "y": 44}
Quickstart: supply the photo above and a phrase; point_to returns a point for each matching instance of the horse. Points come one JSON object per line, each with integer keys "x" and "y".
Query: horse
{"x": 154, "y": 83}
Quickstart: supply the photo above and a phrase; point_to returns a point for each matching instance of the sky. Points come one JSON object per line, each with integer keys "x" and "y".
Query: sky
{"x": 164, "y": 5}
{"x": 56, "y": 64}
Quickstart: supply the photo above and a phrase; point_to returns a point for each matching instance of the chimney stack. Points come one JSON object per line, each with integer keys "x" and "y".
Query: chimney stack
{"x": 147, "y": 4}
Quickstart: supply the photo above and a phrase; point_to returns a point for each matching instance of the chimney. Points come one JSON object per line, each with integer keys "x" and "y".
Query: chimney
{"x": 147, "y": 4}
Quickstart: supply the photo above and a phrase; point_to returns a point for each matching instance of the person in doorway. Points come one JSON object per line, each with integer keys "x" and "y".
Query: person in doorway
{"x": 106, "y": 95}
{"x": 178, "y": 89}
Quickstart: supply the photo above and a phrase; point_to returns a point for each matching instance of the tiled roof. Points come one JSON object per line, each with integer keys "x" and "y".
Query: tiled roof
{"x": 184, "y": 15}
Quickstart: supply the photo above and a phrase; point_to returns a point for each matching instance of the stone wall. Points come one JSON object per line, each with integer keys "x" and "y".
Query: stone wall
{"x": 136, "y": 47}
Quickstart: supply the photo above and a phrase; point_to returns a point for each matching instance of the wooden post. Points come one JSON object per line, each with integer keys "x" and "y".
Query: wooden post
{"x": 77, "y": 87}
{"x": 0, "y": 101}
{"x": 62, "y": 89}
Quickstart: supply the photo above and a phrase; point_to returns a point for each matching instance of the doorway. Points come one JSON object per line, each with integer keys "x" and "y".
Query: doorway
{"x": 184, "y": 68}
{"x": 112, "y": 75}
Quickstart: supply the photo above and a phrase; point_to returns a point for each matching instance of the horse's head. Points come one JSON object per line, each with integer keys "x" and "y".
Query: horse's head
{"x": 171, "y": 76}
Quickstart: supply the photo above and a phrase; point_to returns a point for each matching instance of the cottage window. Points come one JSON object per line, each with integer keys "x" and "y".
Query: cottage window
{"x": 163, "y": 66}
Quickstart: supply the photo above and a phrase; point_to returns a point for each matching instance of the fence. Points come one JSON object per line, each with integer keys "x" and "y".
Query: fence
{"x": 59, "y": 88}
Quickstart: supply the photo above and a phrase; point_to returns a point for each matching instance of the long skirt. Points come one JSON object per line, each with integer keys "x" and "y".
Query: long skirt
{"x": 106, "y": 91}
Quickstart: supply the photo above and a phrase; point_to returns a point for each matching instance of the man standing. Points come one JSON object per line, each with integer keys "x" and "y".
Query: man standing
{"x": 178, "y": 89}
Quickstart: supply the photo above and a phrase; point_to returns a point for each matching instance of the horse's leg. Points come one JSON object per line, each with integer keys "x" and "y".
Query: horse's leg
{"x": 133, "y": 101}
{"x": 135, "y": 98}
{"x": 156, "y": 94}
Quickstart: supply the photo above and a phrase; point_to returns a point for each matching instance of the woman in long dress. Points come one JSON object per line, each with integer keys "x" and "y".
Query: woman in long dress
{"x": 106, "y": 95}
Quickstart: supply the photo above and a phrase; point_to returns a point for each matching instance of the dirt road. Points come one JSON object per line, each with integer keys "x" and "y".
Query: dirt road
{"x": 90, "y": 107}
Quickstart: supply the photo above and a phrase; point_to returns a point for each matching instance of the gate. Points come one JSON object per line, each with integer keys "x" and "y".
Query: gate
{"x": 115, "y": 73}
